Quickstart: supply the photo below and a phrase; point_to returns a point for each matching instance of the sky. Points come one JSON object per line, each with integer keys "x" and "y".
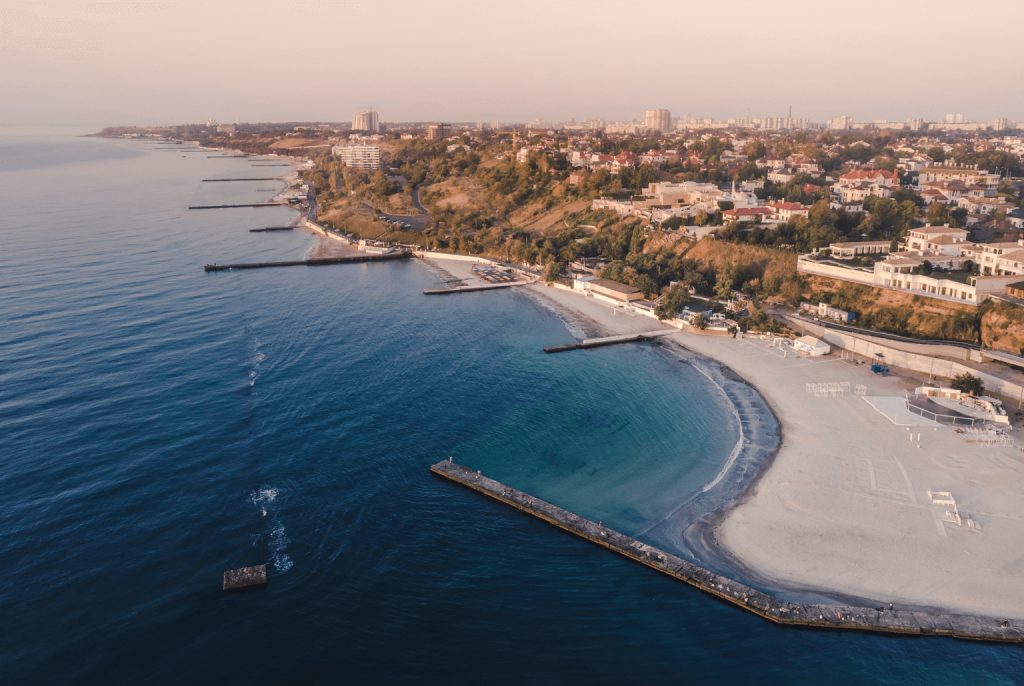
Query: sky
{"x": 148, "y": 62}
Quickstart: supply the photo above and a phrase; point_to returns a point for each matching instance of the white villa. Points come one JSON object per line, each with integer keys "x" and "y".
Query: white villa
{"x": 935, "y": 261}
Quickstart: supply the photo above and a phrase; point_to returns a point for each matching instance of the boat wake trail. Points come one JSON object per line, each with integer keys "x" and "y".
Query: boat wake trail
{"x": 257, "y": 359}
{"x": 264, "y": 499}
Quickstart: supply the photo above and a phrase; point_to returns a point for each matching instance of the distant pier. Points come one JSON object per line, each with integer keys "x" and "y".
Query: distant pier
{"x": 272, "y": 228}
{"x": 881, "y": 619}
{"x": 251, "y": 204}
{"x": 470, "y": 289}
{"x": 252, "y": 178}
{"x": 607, "y": 340}
{"x": 309, "y": 263}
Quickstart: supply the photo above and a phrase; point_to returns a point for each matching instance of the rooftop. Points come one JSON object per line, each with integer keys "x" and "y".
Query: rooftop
{"x": 614, "y": 286}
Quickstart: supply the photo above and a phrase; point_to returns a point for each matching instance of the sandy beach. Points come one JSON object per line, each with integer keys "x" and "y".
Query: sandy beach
{"x": 843, "y": 509}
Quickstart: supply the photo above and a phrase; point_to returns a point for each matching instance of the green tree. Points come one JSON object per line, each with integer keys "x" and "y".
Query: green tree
{"x": 725, "y": 281}
{"x": 553, "y": 271}
{"x": 938, "y": 214}
{"x": 968, "y": 383}
{"x": 672, "y": 302}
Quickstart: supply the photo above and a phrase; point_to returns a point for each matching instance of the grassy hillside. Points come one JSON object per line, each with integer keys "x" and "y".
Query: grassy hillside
{"x": 1002, "y": 327}
{"x": 754, "y": 259}
{"x": 898, "y": 312}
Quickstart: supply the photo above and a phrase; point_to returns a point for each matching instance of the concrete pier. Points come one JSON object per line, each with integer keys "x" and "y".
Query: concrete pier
{"x": 251, "y": 178}
{"x": 882, "y": 619}
{"x": 308, "y": 263}
{"x": 470, "y": 289}
{"x": 607, "y": 340}
{"x": 251, "y": 204}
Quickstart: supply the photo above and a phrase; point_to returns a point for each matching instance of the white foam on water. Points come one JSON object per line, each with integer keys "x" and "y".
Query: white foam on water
{"x": 258, "y": 357}
{"x": 263, "y": 498}
{"x": 575, "y": 328}
{"x": 278, "y": 546}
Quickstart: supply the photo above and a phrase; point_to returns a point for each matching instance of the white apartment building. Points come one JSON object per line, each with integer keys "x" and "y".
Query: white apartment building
{"x": 358, "y": 156}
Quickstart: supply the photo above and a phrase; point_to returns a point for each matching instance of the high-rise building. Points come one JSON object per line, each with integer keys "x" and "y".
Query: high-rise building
{"x": 358, "y": 156}
{"x": 366, "y": 121}
{"x": 840, "y": 123}
{"x": 436, "y": 132}
{"x": 658, "y": 120}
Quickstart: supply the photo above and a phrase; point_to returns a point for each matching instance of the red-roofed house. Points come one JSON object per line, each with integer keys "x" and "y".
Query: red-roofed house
{"x": 746, "y": 215}
{"x": 785, "y": 211}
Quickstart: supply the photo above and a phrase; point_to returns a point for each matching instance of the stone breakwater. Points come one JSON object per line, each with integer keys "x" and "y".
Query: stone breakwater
{"x": 883, "y": 619}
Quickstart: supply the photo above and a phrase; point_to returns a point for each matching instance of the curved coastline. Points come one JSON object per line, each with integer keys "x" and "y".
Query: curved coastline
{"x": 689, "y": 529}
{"x": 712, "y": 526}
{"x": 694, "y": 530}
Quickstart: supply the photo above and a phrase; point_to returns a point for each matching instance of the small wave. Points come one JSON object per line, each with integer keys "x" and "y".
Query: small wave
{"x": 570, "y": 320}
{"x": 263, "y": 497}
{"x": 278, "y": 546}
{"x": 257, "y": 358}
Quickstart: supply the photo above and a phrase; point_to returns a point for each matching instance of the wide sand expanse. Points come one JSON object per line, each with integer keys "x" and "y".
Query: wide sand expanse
{"x": 844, "y": 507}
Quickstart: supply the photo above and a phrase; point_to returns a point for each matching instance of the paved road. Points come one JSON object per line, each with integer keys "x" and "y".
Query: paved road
{"x": 418, "y": 221}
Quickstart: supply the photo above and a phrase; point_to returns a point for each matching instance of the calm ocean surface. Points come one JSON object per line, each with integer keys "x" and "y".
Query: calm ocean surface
{"x": 159, "y": 425}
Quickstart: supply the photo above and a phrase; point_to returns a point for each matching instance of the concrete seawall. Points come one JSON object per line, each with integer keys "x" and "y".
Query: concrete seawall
{"x": 910, "y": 621}
{"x": 919, "y": 358}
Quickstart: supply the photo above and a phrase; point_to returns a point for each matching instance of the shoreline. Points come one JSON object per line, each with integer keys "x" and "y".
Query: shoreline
{"x": 749, "y": 458}
{"x": 828, "y": 511}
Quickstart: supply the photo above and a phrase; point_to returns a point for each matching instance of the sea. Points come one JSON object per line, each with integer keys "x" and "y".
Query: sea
{"x": 160, "y": 424}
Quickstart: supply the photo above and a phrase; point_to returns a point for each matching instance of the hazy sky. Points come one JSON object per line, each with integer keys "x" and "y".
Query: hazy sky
{"x": 155, "y": 61}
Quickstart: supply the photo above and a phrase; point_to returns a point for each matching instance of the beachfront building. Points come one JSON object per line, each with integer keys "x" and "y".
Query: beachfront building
{"x": 826, "y": 311}
{"x": 607, "y": 290}
{"x": 809, "y": 345}
{"x": 358, "y": 156}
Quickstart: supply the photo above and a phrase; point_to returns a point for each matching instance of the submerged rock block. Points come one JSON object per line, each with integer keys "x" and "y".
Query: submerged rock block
{"x": 245, "y": 577}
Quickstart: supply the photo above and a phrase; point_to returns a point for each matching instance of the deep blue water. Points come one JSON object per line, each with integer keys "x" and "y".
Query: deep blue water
{"x": 159, "y": 425}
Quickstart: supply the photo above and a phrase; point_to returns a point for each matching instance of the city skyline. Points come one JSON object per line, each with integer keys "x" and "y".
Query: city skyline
{"x": 101, "y": 64}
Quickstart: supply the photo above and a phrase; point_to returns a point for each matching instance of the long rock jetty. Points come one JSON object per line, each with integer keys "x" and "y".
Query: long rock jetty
{"x": 224, "y": 207}
{"x": 608, "y": 340}
{"x": 471, "y": 289}
{"x": 882, "y": 619}
{"x": 309, "y": 263}
{"x": 250, "y": 178}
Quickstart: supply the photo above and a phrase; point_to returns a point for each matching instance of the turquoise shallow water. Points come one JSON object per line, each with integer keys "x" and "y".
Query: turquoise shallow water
{"x": 159, "y": 424}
